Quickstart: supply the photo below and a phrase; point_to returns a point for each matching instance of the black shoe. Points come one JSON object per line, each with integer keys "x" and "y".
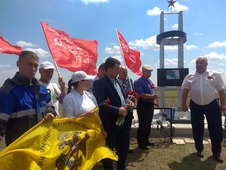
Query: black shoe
{"x": 143, "y": 147}
{"x": 130, "y": 151}
{"x": 150, "y": 144}
{"x": 200, "y": 154}
{"x": 218, "y": 158}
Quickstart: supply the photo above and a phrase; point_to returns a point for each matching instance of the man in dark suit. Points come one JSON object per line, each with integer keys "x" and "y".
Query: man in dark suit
{"x": 117, "y": 136}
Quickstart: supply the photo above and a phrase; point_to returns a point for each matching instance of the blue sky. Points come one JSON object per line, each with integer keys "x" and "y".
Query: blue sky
{"x": 137, "y": 20}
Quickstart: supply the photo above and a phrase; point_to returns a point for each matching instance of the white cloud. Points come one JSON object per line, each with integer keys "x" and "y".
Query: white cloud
{"x": 155, "y": 11}
{"x": 31, "y": 47}
{"x": 175, "y": 26}
{"x": 108, "y": 50}
{"x": 190, "y": 47}
{"x": 197, "y": 34}
{"x": 178, "y": 7}
{"x": 222, "y": 64}
{"x": 86, "y": 2}
{"x": 25, "y": 44}
{"x": 4, "y": 65}
{"x": 217, "y": 44}
{"x": 114, "y": 50}
{"x": 148, "y": 43}
{"x": 119, "y": 58}
{"x": 213, "y": 56}
{"x": 171, "y": 47}
{"x": 39, "y": 51}
{"x": 171, "y": 62}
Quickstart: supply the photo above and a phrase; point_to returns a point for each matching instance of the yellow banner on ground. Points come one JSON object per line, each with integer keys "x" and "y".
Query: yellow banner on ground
{"x": 64, "y": 143}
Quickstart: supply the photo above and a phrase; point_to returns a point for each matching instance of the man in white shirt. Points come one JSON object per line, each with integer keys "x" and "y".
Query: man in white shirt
{"x": 203, "y": 86}
{"x": 46, "y": 70}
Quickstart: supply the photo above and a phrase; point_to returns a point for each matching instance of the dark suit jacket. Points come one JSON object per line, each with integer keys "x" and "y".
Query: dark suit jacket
{"x": 103, "y": 89}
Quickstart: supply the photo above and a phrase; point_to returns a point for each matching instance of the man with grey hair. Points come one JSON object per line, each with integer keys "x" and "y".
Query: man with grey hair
{"x": 46, "y": 70}
{"x": 203, "y": 86}
{"x": 145, "y": 106}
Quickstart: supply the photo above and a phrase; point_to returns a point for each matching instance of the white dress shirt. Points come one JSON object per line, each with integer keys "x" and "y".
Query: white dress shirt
{"x": 203, "y": 87}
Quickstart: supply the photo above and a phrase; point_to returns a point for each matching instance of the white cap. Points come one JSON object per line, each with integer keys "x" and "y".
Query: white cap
{"x": 147, "y": 67}
{"x": 80, "y": 75}
{"x": 47, "y": 65}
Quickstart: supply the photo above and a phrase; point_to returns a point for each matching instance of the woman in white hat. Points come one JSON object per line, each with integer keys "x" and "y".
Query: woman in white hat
{"x": 79, "y": 102}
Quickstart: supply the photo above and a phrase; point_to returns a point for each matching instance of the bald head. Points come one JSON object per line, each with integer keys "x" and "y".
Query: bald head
{"x": 123, "y": 73}
{"x": 201, "y": 64}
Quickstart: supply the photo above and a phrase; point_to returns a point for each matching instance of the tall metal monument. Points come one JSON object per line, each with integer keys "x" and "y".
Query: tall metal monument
{"x": 171, "y": 38}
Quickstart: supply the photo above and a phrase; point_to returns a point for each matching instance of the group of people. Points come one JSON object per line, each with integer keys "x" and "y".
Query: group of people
{"x": 25, "y": 101}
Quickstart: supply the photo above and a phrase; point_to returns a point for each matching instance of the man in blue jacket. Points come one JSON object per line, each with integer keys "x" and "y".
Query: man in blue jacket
{"x": 23, "y": 101}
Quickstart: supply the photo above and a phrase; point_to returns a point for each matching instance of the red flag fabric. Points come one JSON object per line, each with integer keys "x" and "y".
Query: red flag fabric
{"x": 131, "y": 57}
{"x": 71, "y": 53}
{"x": 6, "y": 47}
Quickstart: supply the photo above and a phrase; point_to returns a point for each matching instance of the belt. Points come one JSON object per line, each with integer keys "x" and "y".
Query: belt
{"x": 147, "y": 100}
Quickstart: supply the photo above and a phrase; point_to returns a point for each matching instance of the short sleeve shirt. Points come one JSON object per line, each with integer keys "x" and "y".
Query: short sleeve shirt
{"x": 143, "y": 85}
{"x": 203, "y": 87}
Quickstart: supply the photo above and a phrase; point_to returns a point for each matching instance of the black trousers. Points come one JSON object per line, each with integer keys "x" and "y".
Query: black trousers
{"x": 213, "y": 117}
{"x": 118, "y": 139}
{"x": 145, "y": 111}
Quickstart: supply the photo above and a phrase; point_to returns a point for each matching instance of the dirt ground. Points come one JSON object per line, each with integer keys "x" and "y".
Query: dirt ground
{"x": 168, "y": 156}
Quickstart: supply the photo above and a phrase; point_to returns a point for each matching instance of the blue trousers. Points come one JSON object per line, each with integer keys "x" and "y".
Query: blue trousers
{"x": 213, "y": 117}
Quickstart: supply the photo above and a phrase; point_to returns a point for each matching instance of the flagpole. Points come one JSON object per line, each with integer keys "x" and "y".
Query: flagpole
{"x": 120, "y": 47}
{"x": 57, "y": 69}
{"x": 58, "y": 72}
{"x": 123, "y": 58}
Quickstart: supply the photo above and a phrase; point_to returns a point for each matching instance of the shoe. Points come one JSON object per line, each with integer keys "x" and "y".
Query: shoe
{"x": 150, "y": 144}
{"x": 130, "y": 151}
{"x": 218, "y": 158}
{"x": 143, "y": 147}
{"x": 200, "y": 154}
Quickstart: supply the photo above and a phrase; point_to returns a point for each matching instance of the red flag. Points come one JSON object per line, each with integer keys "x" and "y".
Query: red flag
{"x": 6, "y": 47}
{"x": 131, "y": 57}
{"x": 71, "y": 53}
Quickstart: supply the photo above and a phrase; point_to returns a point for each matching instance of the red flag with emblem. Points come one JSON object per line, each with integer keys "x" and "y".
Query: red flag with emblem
{"x": 71, "y": 53}
{"x": 6, "y": 47}
{"x": 131, "y": 57}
